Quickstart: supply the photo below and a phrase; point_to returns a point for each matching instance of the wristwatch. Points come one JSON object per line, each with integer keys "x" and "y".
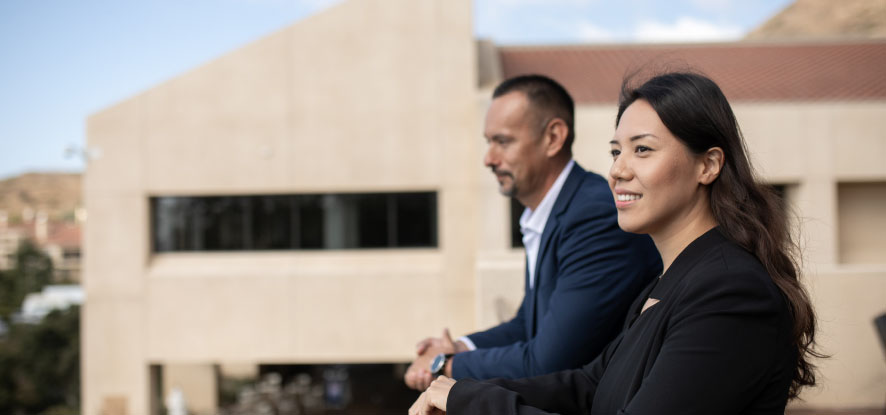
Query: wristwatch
{"x": 439, "y": 363}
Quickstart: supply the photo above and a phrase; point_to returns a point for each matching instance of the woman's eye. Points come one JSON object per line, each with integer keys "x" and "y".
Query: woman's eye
{"x": 642, "y": 149}
{"x": 615, "y": 153}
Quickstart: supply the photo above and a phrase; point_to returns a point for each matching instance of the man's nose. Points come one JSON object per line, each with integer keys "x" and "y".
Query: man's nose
{"x": 489, "y": 159}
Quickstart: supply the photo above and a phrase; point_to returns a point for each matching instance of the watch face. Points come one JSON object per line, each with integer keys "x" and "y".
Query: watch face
{"x": 437, "y": 364}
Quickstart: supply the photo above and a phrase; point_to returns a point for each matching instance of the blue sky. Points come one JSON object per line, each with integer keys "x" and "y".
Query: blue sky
{"x": 61, "y": 60}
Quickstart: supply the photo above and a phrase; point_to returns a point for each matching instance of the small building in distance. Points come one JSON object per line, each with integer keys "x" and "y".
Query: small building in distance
{"x": 46, "y": 209}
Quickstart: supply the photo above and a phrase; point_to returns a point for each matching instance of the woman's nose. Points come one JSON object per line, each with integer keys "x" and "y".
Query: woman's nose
{"x": 619, "y": 169}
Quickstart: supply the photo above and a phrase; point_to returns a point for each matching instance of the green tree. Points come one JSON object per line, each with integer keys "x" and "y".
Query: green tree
{"x": 7, "y": 307}
{"x": 32, "y": 271}
{"x": 40, "y": 366}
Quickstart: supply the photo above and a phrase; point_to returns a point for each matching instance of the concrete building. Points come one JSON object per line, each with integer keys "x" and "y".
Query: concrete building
{"x": 365, "y": 120}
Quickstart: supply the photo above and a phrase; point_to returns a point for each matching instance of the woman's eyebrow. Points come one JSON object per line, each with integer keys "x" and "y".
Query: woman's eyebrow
{"x": 636, "y": 137}
{"x": 639, "y": 136}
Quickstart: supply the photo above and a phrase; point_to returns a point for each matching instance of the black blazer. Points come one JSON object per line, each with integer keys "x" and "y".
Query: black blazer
{"x": 587, "y": 274}
{"x": 718, "y": 342}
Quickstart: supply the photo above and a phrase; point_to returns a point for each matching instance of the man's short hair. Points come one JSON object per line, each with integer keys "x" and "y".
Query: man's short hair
{"x": 547, "y": 97}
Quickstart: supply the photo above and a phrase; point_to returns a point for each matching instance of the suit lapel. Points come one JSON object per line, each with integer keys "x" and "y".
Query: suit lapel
{"x": 566, "y": 192}
{"x": 529, "y": 299}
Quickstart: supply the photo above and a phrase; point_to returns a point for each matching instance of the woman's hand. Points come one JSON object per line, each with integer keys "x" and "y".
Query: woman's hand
{"x": 433, "y": 400}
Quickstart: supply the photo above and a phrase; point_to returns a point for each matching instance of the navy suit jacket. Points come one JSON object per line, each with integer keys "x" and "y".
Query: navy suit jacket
{"x": 587, "y": 273}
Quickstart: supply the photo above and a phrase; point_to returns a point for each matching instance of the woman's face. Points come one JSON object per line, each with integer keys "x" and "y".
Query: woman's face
{"x": 655, "y": 178}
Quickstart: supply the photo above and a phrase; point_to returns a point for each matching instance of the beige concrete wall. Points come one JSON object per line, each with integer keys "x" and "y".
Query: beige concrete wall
{"x": 847, "y": 299}
{"x": 293, "y": 307}
{"x": 379, "y": 95}
{"x": 371, "y": 95}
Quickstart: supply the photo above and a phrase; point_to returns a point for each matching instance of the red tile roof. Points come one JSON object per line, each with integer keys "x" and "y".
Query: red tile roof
{"x": 844, "y": 71}
{"x": 66, "y": 235}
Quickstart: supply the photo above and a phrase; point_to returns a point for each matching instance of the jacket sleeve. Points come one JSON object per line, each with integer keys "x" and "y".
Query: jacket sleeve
{"x": 569, "y": 391}
{"x": 727, "y": 342}
{"x": 509, "y": 332}
{"x": 599, "y": 270}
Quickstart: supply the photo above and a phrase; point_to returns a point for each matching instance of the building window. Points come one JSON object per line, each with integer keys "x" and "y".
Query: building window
{"x": 861, "y": 222}
{"x": 304, "y": 221}
{"x": 516, "y": 211}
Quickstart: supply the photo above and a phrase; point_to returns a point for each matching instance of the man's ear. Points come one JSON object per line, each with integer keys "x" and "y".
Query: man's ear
{"x": 712, "y": 162}
{"x": 555, "y": 134}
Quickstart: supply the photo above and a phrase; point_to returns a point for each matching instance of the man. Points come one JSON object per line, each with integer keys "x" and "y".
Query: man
{"x": 582, "y": 271}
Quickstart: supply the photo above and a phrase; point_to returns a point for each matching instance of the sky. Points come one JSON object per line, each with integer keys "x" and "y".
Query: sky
{"x": 62, "y": 60}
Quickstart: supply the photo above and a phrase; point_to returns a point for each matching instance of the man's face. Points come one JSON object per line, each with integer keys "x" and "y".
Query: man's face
{"x": 516, "y": 152}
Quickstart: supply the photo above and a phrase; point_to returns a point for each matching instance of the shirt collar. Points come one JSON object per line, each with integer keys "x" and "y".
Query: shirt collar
{"x": 534, "y": 220}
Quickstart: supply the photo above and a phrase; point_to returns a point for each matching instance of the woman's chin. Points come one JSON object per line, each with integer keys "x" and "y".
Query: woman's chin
{"x": 629, "y": 226}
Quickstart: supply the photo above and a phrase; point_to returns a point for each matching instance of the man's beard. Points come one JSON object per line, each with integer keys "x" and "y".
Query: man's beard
{"x": 509, "y": 192}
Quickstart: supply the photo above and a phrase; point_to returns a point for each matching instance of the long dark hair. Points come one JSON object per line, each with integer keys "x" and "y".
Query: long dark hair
{"x": 751, "y": 214}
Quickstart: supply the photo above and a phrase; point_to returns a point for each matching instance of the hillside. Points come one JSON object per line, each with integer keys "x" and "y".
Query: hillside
{"x": 823, "y": 19}
{"x": 58, "y": 194}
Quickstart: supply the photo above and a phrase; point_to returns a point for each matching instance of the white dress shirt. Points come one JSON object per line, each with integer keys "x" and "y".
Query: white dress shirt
{"x": 532, "y": 226}
{"x": 532, "y": 222}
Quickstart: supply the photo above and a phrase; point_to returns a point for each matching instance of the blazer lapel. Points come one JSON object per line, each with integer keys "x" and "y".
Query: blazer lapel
{"x": 529, "y": 299}
{"x": 566, "y": 192}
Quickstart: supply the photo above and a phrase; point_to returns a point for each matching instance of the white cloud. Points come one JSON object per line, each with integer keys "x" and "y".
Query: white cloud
{"x": 554, "y": 3}
{"x": 715, "y": 5}
{"x": 685, "y": 29}
{"x": 589, "y": 32}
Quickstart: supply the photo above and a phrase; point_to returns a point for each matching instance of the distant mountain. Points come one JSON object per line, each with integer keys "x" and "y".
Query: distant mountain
{"x": 824, "y": 19}
{"x": 57, "y": 194}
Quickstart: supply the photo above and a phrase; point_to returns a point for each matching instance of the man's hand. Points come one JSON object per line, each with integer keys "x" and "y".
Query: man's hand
{"x": 443, "y": 343}
{"x": 433, "y": 401}
{"x": 419, "y": 376}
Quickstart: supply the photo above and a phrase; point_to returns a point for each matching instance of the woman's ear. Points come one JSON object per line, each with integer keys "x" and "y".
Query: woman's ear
{"x": 712, "y": 161}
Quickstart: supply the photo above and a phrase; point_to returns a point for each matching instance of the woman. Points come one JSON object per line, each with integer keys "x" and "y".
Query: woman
{"x": 727, "y": 327}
